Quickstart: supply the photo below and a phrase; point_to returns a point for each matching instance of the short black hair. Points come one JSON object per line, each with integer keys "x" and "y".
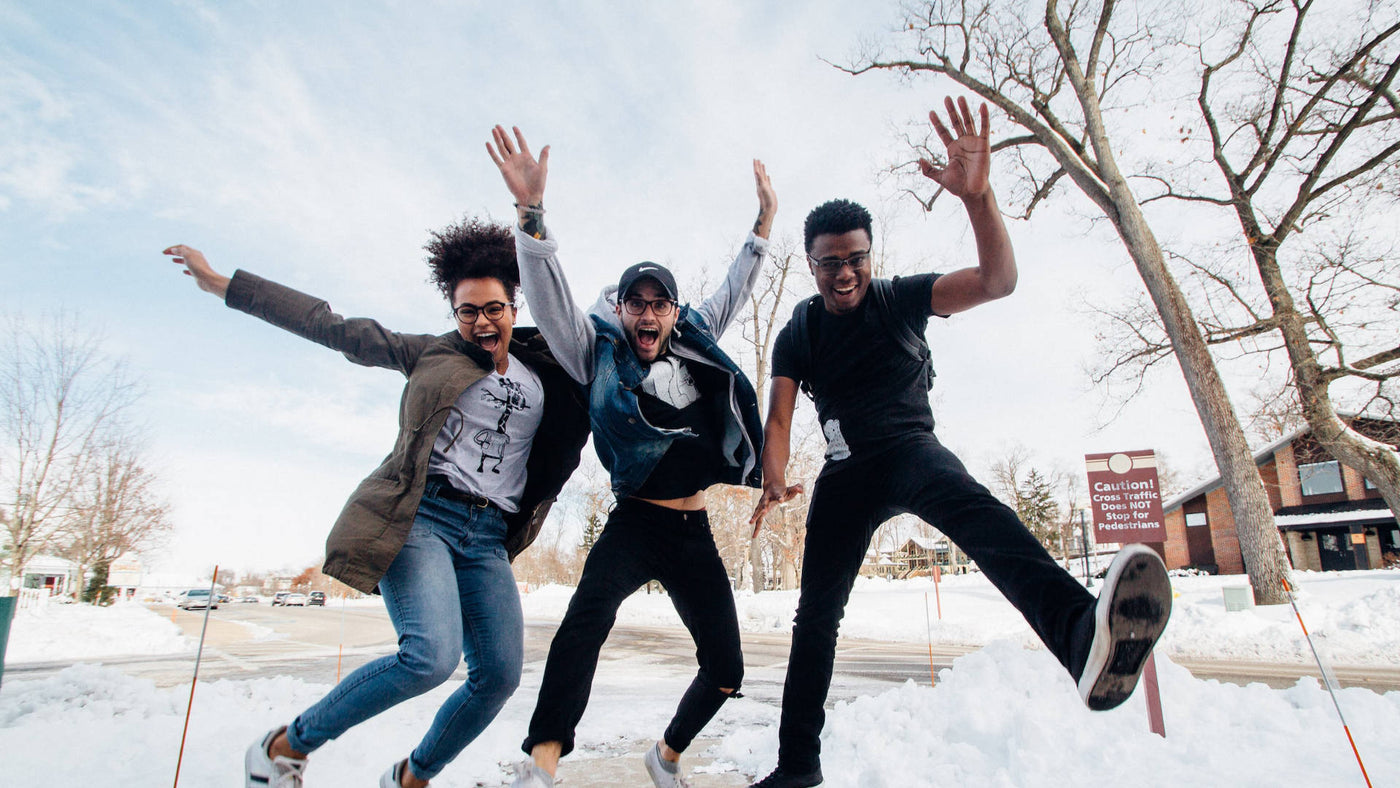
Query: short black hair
{"x": 835, "y": 217}
{"x": 472, "y": 249}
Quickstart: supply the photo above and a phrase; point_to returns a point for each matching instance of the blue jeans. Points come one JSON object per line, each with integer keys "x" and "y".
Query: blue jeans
{"x": 450, "y": 593}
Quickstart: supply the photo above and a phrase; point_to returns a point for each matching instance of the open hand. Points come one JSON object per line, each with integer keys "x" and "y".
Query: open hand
{"x": 767, "y": 200}
{"x": 969, "y": 154}
{"x": 524, "y": 176}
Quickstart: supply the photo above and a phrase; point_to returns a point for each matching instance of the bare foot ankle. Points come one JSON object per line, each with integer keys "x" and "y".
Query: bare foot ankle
{"x": 279, "y": 746}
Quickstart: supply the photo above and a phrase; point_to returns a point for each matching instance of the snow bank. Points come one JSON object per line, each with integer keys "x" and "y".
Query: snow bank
{"x": 71, "y": 633}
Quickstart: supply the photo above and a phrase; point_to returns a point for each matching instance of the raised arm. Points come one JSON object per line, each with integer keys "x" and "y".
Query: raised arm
{"x": 728, "y": 299}
{"x": 565, "y": 327}
{"x": 361, "y": 340}
{"x": 777, "y": 436}
{"x": 966, "y": 177}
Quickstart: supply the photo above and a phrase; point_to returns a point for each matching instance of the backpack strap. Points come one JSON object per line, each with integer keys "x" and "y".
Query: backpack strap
{"x": 883, "y": 292}
{"x": 802, "y": 338}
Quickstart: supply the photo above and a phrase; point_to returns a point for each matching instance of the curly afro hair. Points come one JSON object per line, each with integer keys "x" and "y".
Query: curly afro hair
{"x": 835, "y": 217}
{"x": 472, "y": 249}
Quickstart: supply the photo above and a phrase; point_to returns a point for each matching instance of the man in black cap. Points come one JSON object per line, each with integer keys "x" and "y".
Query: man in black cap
{"x": 671, "y": 415}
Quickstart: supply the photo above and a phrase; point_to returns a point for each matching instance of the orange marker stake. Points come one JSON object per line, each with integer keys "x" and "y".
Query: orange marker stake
{"x": 197, "y": 657}
{"x": 1327, "y": 679}
{"x": 928, "y": 627}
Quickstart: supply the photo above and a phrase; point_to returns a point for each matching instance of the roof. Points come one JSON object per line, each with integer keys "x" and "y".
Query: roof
{"x": 1260, "y": 457}
{"x": 1289, "y": 522}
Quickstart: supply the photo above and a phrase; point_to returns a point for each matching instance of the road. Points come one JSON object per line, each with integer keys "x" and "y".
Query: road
{"x": 248, "y": 641}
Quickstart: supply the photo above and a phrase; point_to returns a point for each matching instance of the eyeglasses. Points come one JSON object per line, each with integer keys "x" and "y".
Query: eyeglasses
{"x": 831, "y": 265}
{"x": 493, "y": 310}
{"x": 661, "y": 307}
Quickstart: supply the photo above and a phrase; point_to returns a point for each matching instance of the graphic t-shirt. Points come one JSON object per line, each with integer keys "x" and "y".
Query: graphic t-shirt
{"x": 486, "y": 440}
{"x": 868, "y": 390}
{"x": 676, "y": 395}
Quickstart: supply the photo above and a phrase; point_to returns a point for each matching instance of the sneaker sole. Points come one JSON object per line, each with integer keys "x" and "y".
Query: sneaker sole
{"x": 1131, "y": 614}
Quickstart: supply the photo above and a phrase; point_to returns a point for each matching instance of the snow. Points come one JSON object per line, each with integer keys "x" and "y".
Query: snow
{"x": 1003, "y": 716}
{"x": 69, "y": 633}
{"x": 1355, "y": 616}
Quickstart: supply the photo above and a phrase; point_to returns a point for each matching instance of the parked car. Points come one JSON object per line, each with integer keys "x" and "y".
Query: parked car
{"x": 280, "y": 598}
{"x": 316, "y": 598}
{"x": 247, "y": 600}
{"x": 196, "y": 597}
{"x": 299, "y": 600}
{"x": 224, "y": 599}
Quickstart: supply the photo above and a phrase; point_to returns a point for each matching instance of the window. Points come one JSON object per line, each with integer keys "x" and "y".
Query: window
{"x": 1196, "y": 518}
{"x": 1370, "y": 485}
{"x": 1320, "y": 478}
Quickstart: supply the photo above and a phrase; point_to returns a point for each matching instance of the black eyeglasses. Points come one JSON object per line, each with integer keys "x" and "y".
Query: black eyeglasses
{"x": 492, "y": 309}
{"x": 661, "y": 307}
{"x": 831, "y": 265}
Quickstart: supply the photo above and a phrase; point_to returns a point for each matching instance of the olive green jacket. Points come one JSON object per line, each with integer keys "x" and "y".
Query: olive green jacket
{"x": 374, "y": 524}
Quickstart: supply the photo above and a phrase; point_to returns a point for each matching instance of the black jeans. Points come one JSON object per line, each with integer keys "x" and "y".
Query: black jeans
{"x": 920, "y": 476}
{"x": 643, "y": 542}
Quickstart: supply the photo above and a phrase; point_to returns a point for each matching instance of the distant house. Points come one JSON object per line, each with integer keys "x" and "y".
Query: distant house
{"x": 1330, "y": 516}
{"x": 922, "y": 552}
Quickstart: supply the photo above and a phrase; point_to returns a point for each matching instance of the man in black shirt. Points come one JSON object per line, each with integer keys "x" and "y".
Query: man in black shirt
{"x": 852, "y": 350}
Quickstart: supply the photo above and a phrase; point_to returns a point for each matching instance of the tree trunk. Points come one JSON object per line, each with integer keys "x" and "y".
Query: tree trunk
{"x": 756, "y": 565}
{"x": 1377, "y": 461}
{"x": 1260, "y": 544}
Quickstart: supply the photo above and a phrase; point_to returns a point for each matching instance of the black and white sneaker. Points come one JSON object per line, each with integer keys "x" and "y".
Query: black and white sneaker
{"x": 260, "y": 770}
{"x": 1130, "y": 615}
{"x": 781, "y": 778}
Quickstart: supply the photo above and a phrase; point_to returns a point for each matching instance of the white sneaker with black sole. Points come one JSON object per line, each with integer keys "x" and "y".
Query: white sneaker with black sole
{"x": 261, "y": 770}
{"x": 1130, "y": 615}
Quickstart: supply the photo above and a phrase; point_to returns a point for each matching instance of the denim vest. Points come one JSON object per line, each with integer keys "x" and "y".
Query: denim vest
{"x": 628, "y": 446}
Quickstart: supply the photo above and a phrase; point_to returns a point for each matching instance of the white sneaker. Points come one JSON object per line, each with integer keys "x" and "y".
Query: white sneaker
{"x": 1130, "y": 615}
{"x": 263, "y": 771}
{"x": 661, "y": 777}
{"x": 528, "y": 775}
{"x": 393, "y": 777}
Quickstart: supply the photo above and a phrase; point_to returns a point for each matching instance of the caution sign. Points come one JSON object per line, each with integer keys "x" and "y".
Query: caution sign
{"x": 1126, "y": 499}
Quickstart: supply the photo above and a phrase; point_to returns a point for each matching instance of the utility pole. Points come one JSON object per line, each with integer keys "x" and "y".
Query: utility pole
{"x": 1084, "y": 545}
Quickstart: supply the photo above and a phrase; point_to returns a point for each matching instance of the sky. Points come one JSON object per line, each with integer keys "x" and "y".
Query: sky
{"x": 316, "y": 144}
{"x": 1004, "y": 715}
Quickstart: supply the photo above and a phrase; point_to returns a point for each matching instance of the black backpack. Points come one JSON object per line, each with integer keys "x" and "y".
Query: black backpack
{"x": 882, "y": 294}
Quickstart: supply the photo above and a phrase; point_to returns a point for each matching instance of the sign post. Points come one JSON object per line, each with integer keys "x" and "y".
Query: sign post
{"x": 1127, "y": 505}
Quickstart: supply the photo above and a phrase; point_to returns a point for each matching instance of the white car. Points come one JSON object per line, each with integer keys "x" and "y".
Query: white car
{"x": 295, "y": 599}
{"x": 196, "y": 597}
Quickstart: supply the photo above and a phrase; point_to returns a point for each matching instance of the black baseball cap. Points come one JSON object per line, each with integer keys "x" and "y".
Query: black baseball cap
{"x": 643, "y": 270}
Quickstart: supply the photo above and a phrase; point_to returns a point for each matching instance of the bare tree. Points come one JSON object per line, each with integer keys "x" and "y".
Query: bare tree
{"x": 114, "y": 508}
{"x": 1060, "y": 79}
{"x": 1304, "y": 128}
{"x": 58, "y": 391}
{"x": 765, "y": 314}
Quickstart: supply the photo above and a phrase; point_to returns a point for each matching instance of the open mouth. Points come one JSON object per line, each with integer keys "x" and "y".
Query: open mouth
{"x": 488, "y": 340}
{"x": 648, "y": 338}
{"x": 845, "y": 291}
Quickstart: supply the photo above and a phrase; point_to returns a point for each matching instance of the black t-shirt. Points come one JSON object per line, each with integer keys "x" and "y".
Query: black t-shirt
{"x": 868, "y": 389}
{"x": 691, "y": 464}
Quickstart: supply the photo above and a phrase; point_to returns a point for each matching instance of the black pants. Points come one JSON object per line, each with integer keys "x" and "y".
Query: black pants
{"x": 643, "y": 542}
{"x": 916, "y": 475}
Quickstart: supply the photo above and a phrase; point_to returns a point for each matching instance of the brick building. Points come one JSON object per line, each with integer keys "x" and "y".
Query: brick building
{"x": 1329, "y": 515}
